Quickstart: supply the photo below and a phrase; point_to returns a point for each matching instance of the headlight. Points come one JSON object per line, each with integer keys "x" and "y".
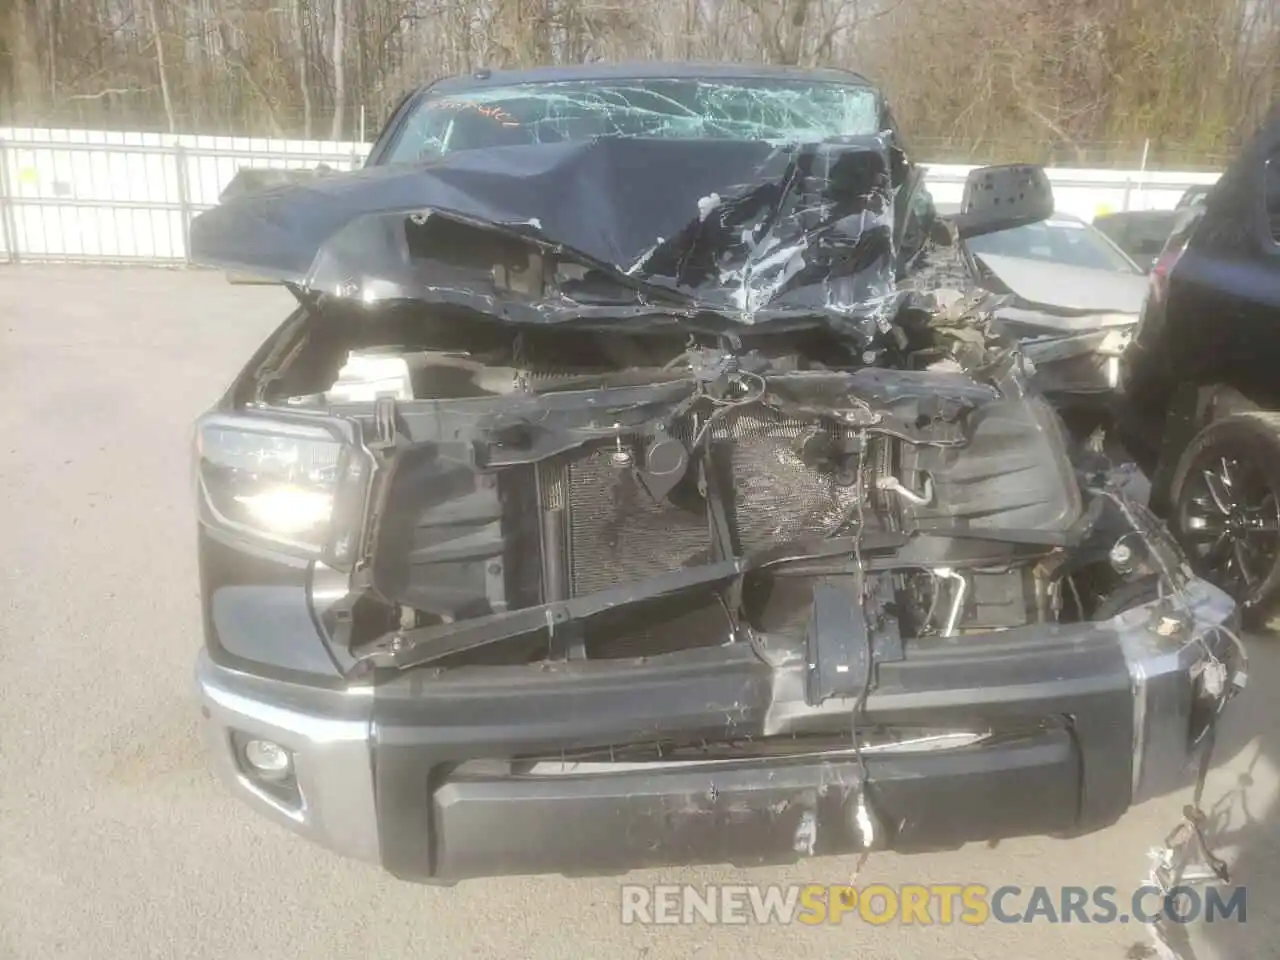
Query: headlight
{"x": 296, "y": 485}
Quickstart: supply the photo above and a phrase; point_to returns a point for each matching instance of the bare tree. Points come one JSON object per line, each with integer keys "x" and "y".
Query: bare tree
{"x": 783, "y": 26}
{"x": 1069, "y": 80}
{"x": 157, "y": 40}
{"x": 339, "y": 67}
{"x": 301, "y": 63}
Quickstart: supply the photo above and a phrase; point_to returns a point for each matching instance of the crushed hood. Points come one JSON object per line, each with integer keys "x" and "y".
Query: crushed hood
{"x": 1061, "y": 314}
{"x": 743, "y": 230}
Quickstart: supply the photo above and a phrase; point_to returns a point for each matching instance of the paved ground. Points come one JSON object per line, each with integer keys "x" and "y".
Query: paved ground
{"x": 114, "y": 842}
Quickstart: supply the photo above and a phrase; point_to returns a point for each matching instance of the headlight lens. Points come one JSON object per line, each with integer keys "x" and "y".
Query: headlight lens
{"x": 292, "y": 484}
{"x": 288, "y": 509}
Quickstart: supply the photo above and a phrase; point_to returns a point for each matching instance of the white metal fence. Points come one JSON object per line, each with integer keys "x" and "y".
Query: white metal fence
{"x": 80, "y": 195}
{"x": 95, "y": 196}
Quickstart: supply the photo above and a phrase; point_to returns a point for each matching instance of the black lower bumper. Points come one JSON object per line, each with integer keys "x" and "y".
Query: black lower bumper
{"x": 451, "y": 806}
{"x": 445, "y": 775}
{"x": 747, "y": 813}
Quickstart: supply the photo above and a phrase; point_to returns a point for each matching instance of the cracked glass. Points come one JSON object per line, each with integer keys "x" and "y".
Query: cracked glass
{"x": 773, "y": 110}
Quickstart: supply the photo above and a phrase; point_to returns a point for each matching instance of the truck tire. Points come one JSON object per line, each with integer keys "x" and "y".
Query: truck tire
{"x": 1225, "y": 499}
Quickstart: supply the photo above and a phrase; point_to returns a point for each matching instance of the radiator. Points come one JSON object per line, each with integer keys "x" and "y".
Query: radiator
{"x": 617, "y": 534}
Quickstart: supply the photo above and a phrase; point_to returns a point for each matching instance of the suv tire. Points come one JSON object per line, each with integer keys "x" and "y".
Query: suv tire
{"x": 1225, "y": 500}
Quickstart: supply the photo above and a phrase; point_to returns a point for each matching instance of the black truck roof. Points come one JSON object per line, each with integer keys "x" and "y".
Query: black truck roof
{"x": 644, "y": 70}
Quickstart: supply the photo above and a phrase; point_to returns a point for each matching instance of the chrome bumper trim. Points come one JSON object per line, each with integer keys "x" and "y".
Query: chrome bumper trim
{"x": 328, "y": 732}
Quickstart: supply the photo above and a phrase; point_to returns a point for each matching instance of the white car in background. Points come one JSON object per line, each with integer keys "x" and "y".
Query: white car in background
{"x": 1063, "y": 239}
{"x": 1074, "y": 299}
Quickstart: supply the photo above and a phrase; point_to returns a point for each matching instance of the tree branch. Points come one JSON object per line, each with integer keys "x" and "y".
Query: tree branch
{"x": 110, "y": 91}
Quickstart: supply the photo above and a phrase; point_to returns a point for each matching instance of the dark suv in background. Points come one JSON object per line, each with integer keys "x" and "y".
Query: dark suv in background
{"x": 1201, "y": 396}
{"x": 1142, "y": 234}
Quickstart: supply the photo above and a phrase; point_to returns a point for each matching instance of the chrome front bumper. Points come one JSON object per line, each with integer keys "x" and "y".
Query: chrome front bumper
{"x": 328, "y": 733}
{"x": 338, "y": 802}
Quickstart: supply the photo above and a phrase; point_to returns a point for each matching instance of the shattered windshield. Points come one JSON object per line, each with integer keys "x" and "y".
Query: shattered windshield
{"x": 787, "y": 111}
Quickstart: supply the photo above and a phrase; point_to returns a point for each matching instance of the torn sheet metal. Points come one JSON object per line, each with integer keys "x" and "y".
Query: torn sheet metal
{"x": 796, "y": 232}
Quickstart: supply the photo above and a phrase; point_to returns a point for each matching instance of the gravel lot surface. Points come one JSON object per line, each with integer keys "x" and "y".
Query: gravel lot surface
{"x": 116, "y": 842}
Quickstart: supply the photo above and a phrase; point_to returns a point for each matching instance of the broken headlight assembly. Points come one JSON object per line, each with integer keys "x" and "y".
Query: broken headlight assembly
{"x": 295, "y": 485}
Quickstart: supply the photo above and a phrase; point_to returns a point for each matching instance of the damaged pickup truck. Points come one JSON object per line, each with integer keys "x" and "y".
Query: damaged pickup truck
{"x": 638, "y": 481}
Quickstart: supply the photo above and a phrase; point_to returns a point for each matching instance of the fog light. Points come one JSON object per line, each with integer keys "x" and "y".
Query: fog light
{"x": 267, "y": 759}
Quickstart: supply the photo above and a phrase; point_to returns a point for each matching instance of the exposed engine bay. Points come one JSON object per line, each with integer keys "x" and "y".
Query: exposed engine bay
{"x": 588, "y": 495}
{"x": 780, "y": 424}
